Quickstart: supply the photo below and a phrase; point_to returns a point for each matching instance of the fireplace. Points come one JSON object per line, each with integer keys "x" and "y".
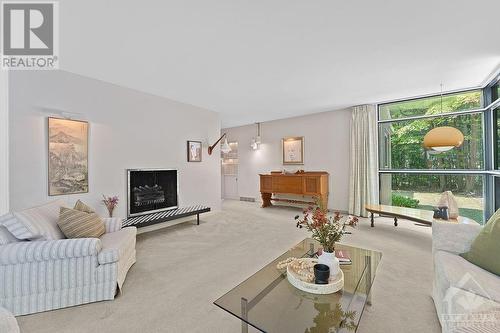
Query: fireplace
{"x": 151, "y": 190}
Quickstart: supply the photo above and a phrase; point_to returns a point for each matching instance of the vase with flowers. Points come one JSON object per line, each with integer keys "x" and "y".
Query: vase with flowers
{"x": 110, "y": 203}
{"x": 327, "y": 229}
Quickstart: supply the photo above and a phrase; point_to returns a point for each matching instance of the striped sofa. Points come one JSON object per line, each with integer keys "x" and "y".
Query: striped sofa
{"x": 47, "y": 271}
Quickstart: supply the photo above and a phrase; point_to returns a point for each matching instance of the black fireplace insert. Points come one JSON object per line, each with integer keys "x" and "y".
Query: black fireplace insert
{"x": 151, "y": 190}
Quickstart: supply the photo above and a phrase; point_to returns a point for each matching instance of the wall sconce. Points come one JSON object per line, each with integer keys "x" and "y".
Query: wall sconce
{"x": 256, "y": 141}
{"x": 225, "y": 148}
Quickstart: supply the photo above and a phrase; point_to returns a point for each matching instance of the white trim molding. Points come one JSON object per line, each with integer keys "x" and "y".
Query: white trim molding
{"x": 4, "y": 142}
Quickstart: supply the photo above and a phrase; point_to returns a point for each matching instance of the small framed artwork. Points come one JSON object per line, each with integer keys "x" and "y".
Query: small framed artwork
{"x": 194, "y": 151}
{"x": 68, "y": 156}
{"x": 293, "y": 150}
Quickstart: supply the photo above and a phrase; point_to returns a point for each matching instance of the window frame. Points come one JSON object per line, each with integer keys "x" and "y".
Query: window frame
{"x": 491, "y": 166}
{"x": 444, "y": 94}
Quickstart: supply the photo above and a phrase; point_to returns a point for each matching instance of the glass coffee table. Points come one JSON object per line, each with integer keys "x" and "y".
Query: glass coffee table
{"x": 268, "y": 302}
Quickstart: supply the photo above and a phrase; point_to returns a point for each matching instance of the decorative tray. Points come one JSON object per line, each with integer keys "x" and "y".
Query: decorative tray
{"x": 300, "y": 273}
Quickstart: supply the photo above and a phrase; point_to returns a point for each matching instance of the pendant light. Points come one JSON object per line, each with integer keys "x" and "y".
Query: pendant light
{"x": 256, "y": 141}
{"x": 443, "y": 138}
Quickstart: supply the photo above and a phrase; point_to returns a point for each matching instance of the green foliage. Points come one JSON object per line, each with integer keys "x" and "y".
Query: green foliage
{"x": 402, "y": 201}
{"x": 432, "y": 105}
{"x": 401, "y": 143}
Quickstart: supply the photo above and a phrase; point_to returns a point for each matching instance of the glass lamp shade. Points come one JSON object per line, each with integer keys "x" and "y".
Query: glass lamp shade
{"x": 254, "y": 145}
{"x": 225, "y": 148}
{"x": 443, "y": 138}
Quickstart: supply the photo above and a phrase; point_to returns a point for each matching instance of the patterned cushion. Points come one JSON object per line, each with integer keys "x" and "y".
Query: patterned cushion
{"x": 83, "y": 207}
{"x": 77, "y": 224}
{"x": 5, "y": 236}
{"x": 38, "y": 223}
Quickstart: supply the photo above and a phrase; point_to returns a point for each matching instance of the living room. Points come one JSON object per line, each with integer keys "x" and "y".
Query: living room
{"x": 226, "y": 166}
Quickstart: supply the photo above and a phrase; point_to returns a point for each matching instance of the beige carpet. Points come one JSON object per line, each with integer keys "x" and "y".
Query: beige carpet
{"x": 181, "y": 270}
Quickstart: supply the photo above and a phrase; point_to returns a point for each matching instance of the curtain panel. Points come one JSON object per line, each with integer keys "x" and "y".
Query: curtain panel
{"x": 363, "y": 177}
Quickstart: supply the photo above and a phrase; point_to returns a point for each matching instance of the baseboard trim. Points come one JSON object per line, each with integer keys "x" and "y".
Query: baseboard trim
{"x": 249, "y": 199}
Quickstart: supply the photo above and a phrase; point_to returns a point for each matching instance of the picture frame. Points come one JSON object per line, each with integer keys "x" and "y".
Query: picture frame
{"x": 293, "y": 150}
{"x": 68, "y": 142}
{"x": 194, "y": 151}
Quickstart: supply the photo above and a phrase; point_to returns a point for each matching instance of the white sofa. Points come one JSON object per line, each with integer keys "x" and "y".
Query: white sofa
{"x": 46, "y": 273}
{"x": 467, "y": 297}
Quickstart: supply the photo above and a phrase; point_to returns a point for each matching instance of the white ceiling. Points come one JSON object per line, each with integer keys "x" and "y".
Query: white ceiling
{"x": 258, "y": 60}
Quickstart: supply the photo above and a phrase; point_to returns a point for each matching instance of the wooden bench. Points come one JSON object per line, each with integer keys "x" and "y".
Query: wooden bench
{"x": 168, "y": 215}
{"x": 412, "y": 214}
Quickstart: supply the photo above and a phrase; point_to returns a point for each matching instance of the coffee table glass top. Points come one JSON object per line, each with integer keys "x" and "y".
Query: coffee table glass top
{"x": 268, "y": 302}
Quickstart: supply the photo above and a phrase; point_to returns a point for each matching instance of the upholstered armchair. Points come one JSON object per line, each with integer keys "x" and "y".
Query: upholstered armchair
{"x": 42, "y": 275}
{"x": 8, "y": 323}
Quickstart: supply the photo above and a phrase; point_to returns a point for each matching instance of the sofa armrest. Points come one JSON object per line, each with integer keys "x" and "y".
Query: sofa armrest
{"x": 37, "y": 251}
{"x": 112, "y": 224}
{"x": 453, "y": 237}
{"x": 108, "y": 256}
{"x": 8, "y": 322}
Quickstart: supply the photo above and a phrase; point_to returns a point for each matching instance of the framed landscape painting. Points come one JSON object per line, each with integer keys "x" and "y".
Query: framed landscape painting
{"x": 68, "y": 156}
{"x": 194, "y": 151}
{"x": 293, "y": 150}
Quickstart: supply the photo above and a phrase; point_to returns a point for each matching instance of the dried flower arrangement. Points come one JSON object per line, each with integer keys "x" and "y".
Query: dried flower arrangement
{"x": 110, "y": 203}
{"x": 326, "y": 229}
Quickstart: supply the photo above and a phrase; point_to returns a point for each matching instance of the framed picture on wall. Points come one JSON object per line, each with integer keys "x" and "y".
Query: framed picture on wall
{"x": 68, "y": 156}
{"x": 293, "y": 150}
{"x": 194, "y": 151}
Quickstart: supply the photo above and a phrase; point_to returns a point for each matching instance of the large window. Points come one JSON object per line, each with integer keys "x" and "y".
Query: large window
{"x": 431, "y": 105}
{"x": 423, "y": 191}
{"x": 412, "y": 176}
{"x": 404, "y": 143}
{"x": 495, "y": 91}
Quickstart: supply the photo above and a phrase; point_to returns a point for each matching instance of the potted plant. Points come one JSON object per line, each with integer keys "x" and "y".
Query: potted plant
{"x": 327, "y": 229}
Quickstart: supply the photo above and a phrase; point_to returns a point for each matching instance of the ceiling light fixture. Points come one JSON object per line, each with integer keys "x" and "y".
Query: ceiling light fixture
{"x": 255, "y": 143}
{"x": 443, "y": 138}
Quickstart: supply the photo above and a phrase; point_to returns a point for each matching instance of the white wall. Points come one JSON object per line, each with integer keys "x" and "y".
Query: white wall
{"x": 4, "y": 142}
{"x": 128, "y": 129}
{"x": 326, "y": 149}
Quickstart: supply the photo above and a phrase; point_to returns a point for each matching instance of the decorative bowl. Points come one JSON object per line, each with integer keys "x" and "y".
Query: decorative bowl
{"x": 297, "y": 280}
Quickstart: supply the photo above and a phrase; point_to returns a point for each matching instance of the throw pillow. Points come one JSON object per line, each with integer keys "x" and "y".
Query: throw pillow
{"x": 79, "y": 205}
{"x": 77, "y": 224}
{"x": 5, "y": 236}
{"x": 37, "y": 223}
{"x": 486, "y": 246}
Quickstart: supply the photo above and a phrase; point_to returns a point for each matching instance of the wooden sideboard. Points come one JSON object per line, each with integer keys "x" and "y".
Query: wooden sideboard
{"x": 311, "y": 183}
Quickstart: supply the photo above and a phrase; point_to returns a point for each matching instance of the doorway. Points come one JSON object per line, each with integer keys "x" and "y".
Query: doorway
{"x": 229, "y": 171}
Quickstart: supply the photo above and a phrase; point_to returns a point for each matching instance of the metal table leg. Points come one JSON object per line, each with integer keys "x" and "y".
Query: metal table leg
{"x": 244, "y": 315}
{"x": 368, "y": 279}
{"x": 372, "y": 220}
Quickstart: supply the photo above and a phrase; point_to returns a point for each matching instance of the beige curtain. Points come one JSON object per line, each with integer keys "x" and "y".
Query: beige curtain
{"x": 363, "y": 178}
